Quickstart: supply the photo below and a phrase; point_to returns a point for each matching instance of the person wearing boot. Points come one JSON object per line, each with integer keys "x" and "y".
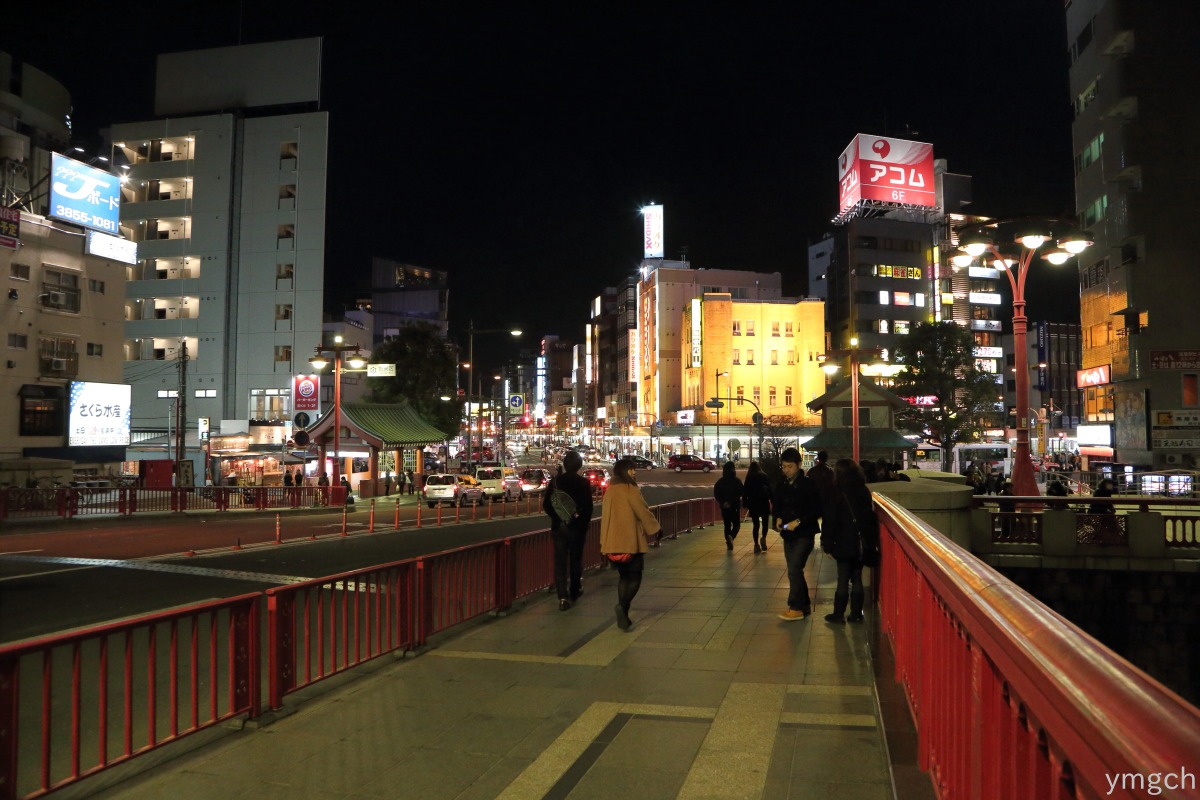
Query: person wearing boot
{"x": 757, "y": 498}
{"x": 850, "y": 535}
{"x": 796, "y": 507}
{"x": 728, "y": 492}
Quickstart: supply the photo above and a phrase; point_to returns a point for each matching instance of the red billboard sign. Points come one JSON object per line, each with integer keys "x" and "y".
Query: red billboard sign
{"x": 886, "y": 170}
{"x": 306, "y": 393}
{"x": 10, "y": 227}
{"x": 1096, "y": 376}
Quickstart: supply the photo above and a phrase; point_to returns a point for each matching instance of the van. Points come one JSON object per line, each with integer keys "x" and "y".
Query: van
{"x": 499, "y": 483}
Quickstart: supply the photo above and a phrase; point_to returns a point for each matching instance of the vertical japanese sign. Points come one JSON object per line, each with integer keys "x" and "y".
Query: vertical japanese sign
{"x": 306, "y": 393}
{"x": 10, "y": 227}
{"x": 652, "y": 231}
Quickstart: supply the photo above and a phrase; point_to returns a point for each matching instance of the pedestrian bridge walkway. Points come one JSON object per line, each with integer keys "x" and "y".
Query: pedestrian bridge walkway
{"x": 708, "y": 695}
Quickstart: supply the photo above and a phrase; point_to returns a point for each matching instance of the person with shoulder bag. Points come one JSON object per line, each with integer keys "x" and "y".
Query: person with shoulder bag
{"x": 570, "y": 534}
{"x": 851, "y": 536}
{"x": 625, "y": 529}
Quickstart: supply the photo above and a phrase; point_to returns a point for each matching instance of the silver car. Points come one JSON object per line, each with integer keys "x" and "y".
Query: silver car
{"x": 455, "y": 490}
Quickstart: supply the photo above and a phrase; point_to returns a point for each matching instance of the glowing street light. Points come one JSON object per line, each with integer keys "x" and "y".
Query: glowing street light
{"x": 354, "y": 360}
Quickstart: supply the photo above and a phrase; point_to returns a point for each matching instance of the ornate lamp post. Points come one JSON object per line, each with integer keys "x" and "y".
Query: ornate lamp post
{"x": 978, "y": 241}
{"x": 355, "y": 361}
{"x": 854, "y": 352}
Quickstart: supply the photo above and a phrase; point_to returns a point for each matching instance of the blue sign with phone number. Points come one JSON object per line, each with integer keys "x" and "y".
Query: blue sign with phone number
{"x": 84, "y": 195}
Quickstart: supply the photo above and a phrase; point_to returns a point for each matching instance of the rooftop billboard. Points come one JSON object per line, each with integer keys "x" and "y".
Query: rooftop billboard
{"x": 652, "y": 222}
{"x": 881, "y": 169}
{"x": 84, "y": 195}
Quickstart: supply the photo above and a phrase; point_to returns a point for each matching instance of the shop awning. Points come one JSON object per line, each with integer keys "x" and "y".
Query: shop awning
{"x": 839, "y": 440}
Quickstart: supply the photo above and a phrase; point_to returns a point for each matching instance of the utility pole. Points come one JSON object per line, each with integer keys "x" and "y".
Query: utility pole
{"x": 181, "y": 406}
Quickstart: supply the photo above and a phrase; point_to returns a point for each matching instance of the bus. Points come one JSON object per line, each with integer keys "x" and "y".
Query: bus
{"x": 987, "y": 457}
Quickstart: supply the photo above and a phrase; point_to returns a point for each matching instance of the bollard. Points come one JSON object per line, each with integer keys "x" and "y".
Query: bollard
{"x": 189, "y": 552}
{"x": 343, "y": 519}
{"x": 278, "y": 540}
{"x": 396, "y": 523}
{"x": 237, "y": 545}
{"x": 371, "y": 520}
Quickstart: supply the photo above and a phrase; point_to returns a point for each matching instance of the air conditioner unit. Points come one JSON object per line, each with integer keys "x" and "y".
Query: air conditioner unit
{"x": 56, "y": 299}
{"x": 58, "y": 364}
{"x": 1174, "y": 458}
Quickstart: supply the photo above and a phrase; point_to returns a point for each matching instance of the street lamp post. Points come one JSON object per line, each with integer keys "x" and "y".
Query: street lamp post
{"x": 854, "y": 353}
{"x": 719, "y": 375}
{"x": 319, "y": 361}
{"x": 471, "y": 331}
{"x": 758, "y": 420}
{"x": 1031, "y": 235}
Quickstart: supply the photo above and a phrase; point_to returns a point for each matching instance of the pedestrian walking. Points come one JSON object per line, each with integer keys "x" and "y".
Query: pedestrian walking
{"x": 821, "y": 474}
{"x": 625, "y": 529}
{"x": 728, "y": 492}
{"x": 757, "y": 498}
{"x": 851, "y": 536}
{"x": 387, "y": 485}
{"x": 570, "y": 536}
{"x": 409, "y": 481}
{"x": 796, "y": 507}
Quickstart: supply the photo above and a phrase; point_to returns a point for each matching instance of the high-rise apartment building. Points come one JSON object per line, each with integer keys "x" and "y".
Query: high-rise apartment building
{"x": 1136, "y": 113}
{"x": 224, "y": 193}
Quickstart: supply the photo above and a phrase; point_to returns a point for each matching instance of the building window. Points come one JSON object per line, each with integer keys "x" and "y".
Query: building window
{"x": 774, "y": 358}
{"x": 285, "y": 270}
{"x": 283, "y": 352}
{"x": 787, "y": 395}
{"x": 96, "y": 286}
{"x": 42, "y": 415}
{"x": 60, "y": 290}
{"x": 95, "y": 349}
{"x": 750, "y": 357}
{"x": 787, "y": 329}
{"x": 166, "y": 394}
{"x": 774, "y": 328}
{"x": 757, "y": 395}
{"x": 770, "y": 395}
{"x": 18, "y": 341}
{"x": 749, "y": 327}
{"x": 737, "y": 356}
{"x": 289, "y": 150}
{"x": 884, "y": 299}
{"x": 737, "y": 327}
{"x": 741, "y": 394}
{"x": 270, "y": 405}
{"x": 206, "y": 393}
{"x": 283, "y": 311}
{"x": 864, "y": 417}
{"x": 18, "y": 272}
{"x": 791, "y": 357}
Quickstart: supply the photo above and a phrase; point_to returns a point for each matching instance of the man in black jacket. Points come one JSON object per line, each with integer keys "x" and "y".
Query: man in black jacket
{"x": 796, "y": 509}
{"x": 569, "y": 537}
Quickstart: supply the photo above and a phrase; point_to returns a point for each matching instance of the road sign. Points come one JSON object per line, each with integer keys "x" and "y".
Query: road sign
{"x": 733, "y": 445}
{"x": 757, "y": 419}
{"x": 714, "y": 404}
{"x": 301, "y": 420}
{"x": 516, "y": 401}
{"x": 658, "y": 424}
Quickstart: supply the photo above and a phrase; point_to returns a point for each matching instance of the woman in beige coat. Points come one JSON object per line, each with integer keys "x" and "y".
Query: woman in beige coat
{"x": 624, "y": 527}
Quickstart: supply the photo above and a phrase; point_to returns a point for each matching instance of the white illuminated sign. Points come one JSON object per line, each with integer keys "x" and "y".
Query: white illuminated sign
{"x": 99, "y": 414}
{"x": 111, "y": 247}
{"x": 652, "y": 231}
{"x": 1100, "y": 435}
{"x": 697, "y": 337}
{"x": 989, "y": 352}
{"x": 381, "y": 370}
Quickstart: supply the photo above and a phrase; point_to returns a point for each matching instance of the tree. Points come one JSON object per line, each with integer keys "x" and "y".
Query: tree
{"x": 779, "y": 432}
{"x": 425, "y": 372}
{"x": 939, "y": 364}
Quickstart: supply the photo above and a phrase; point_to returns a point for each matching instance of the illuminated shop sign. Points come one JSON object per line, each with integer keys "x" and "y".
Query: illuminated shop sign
{"x": 84, "y": 195}
{"x": 99, "y": 414}
{"x": 886, "y": 170}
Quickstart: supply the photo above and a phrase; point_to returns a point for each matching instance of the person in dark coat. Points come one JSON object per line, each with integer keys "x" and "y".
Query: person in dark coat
{"x": 569, "y": 537}
{"x": 851, "y": 535}
{"x": 1105, "y": 489}
{"x": 757, "y": 498}
{"x": 728, "y": 491}
{"x": 796, "y": 507}
{"x": 821, "y": 474}
{"x": 287, "y": 478}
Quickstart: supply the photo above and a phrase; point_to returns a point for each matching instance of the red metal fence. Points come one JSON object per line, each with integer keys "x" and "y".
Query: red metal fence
{"x": 68, "y": 502}
{"x": 1011, "y": 700}
{"x": 72, "y": 705}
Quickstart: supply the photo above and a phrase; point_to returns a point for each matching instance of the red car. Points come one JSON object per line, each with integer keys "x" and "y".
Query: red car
{"x": 689, "y": 461}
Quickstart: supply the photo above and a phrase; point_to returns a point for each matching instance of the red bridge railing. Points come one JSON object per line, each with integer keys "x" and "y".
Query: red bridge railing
{"x": 1010, "y": 700}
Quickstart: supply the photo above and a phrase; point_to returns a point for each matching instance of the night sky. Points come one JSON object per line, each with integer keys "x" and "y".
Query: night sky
{"x": 512, "y": 144}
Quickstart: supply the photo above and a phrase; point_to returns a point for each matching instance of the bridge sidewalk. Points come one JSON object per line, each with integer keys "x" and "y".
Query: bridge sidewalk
{"x": 708, "y": 695}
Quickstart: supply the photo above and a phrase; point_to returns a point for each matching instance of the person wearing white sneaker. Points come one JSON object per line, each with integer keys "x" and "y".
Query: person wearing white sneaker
{"x": 796, "y": 507}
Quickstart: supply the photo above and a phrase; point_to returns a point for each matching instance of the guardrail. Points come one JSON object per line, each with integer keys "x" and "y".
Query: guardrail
{"x": 1161, "y": 526}
{"x": 61, "y": 698}
{"x": 69, "y": 501}
{"x": 1010, "y": 699}
{"x": 74, "y": 704}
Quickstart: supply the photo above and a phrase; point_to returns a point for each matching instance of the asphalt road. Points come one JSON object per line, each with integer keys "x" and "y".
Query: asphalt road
{"x": 78, "y": 573}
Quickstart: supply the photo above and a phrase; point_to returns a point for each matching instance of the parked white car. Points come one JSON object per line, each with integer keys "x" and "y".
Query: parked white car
{"x": 455, "y": 490}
